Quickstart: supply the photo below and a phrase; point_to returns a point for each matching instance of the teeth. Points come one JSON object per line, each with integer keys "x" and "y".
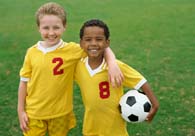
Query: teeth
{"x": 93, "y": 51}
{"x": 51, "y": 38}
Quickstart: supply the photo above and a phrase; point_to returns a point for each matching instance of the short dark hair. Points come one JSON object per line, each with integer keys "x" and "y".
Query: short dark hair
{"x": 95, "y": 22}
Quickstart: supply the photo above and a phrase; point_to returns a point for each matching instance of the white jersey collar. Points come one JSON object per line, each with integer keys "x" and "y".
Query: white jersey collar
{"x": 49, "y": 49}
{"x": 92, "y": 72}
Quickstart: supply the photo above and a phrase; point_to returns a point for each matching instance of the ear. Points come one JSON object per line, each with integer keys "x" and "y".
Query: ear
{"x": 38, "y": 28}
{"x": 108, "y": 43}
{"x": 81, "y": 45}
{"x": 64, "y": 28}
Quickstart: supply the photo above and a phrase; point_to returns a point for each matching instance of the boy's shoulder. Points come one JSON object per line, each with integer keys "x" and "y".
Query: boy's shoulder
{"x": 119, "y": 62}
{"x": 122, "y": 64}
{"x": 83, "y": 60}
{"x": 32, "y": 47}
{"x": 71, "y": 44}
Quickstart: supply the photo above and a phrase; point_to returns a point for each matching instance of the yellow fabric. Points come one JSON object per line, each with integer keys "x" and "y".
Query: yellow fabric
{"x": 102, "y": 116}
{"x": 49, "y": 90}
{"x": 56, "y": 127}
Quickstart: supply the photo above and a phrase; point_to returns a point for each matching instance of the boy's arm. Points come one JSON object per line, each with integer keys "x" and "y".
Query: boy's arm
{"x": 115, "y": 75}
{"x": 22, "y": 93}
{"x": 155, "y": 105}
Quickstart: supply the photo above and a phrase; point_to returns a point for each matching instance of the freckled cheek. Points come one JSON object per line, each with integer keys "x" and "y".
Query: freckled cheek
{"x": 43, "y": 31}
{"x": 62, "y": 31}
{"x": 44, "y": 34}
{"x": 59, "y": 33}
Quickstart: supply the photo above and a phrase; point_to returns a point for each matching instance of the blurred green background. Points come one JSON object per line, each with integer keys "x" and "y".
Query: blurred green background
{"x": 156, "y": 37}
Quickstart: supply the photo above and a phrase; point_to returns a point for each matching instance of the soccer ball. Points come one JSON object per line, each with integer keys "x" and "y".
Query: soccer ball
{"x": 134, "y": 106}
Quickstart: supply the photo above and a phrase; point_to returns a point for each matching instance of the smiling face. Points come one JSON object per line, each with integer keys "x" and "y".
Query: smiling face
{"x": 94, "y": 42}
{"x": 51, "y": 29}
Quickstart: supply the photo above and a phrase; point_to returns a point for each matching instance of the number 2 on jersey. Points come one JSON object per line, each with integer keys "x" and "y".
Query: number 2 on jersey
{"x": 104, "y": 89}
{"x": 57, "y": 70}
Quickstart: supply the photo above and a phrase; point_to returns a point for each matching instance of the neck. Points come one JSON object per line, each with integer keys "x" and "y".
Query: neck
{"x": 95, "y": 62}
{"x": 45, "y": 45}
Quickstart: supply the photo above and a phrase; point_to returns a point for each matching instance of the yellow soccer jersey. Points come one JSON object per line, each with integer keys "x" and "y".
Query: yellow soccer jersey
{"x": 102, "y": 116}
{"x": 50, "y": 73}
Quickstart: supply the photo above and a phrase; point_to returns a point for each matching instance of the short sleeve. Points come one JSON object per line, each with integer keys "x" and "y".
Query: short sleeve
{"x": 133, "y": 79}
{"x": 26, "y": 70}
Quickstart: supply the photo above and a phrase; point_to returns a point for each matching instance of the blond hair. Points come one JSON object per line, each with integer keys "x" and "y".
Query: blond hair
{"x": 51, "y": 8}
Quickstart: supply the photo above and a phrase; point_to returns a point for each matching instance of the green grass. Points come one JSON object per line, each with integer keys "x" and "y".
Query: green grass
{"x": 154, "y": 36}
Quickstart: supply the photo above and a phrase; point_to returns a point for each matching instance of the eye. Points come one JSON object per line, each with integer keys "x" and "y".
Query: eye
{"x": 87, "y": 39}
{"x": 99, "y": 39}
{"x": 56, "y": 27}
{"x": 45, "y": 28}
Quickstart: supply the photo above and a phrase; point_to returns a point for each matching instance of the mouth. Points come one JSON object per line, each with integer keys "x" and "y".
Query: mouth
{"x": 93, "y": 50}
{"x": 51, "y": 39}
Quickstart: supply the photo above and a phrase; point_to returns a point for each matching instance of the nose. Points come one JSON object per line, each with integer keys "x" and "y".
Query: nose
{"x": 93, "y": 42}
{"x": 51, "y": 32}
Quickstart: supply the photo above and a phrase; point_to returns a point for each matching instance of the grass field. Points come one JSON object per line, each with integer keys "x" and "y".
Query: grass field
{"x": 157, "y": 37}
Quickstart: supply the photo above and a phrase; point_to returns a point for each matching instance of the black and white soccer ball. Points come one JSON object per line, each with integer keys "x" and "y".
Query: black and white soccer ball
{"x": 134, "y": 106}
